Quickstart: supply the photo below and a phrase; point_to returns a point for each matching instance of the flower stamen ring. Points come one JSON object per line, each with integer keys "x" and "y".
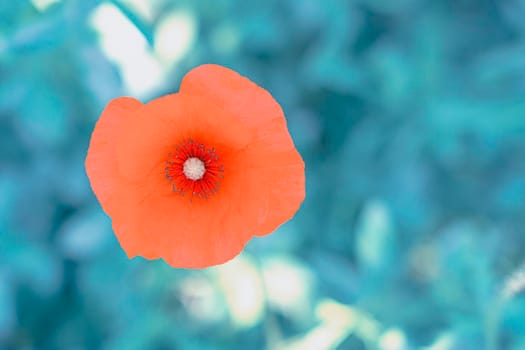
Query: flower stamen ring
{"x": 192, "y": 168}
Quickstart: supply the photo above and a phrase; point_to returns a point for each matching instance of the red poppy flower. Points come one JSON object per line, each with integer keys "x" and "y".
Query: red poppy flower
{"x": 191, "y": 177}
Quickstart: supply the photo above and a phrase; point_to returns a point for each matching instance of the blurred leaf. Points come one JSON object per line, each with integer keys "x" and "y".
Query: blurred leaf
{"x": 43, "y": 34}
{"x": 337, "y": 322}
{"x": 375, "y": 237}
{"x": 44, "y": 119}
{"x": 31, "y": 264}
{"x": 84, "y": 234}
{"x": 242, "y": 285}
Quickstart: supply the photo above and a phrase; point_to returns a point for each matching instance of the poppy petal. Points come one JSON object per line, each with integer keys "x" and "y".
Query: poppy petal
{"x": 274, "y": 160}
{"x": 166, "y": 220}
{"x": 273, "y": 153}
{"x": 202, "y": 232}
{"x": 101, "y": 165}
{"x": 192, "y": 237}
{"x": 126, "y": 222}
{"x": 241, "y": 97}
{"x": 146, "y": 141}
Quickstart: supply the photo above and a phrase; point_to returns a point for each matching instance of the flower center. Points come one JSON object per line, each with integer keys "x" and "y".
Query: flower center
{"x": 194, "y": 169}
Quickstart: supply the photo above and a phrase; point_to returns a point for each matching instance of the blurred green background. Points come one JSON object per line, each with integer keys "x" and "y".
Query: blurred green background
{"x": 410, "y": 115}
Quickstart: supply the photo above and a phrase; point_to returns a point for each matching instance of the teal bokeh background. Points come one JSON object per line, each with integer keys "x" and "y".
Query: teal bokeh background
{"x": 410, "y": 115}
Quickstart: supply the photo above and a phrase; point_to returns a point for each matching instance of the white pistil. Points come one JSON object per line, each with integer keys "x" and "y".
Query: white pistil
{"x": 194, "y": 168}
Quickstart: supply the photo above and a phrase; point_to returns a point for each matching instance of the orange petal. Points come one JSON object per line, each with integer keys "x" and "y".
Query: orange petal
{"x": 202, "y": 232}
{"x": 241, "y": 97}
{"x": 101, "y": 164}
{"x": 193, "y": 235}
{"x": 127, "y": 225}
{"x": 279, "y": 166}
{"x": 163, "y": 123}
{"x": 112, "y": 190}
{"x": 186, "y": 234}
